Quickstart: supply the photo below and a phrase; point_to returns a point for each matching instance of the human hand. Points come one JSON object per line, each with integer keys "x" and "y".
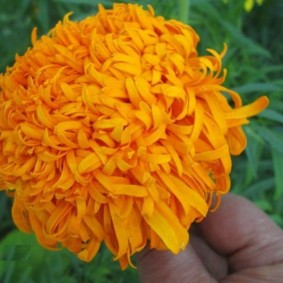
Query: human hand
{"x": 237, "y": 243}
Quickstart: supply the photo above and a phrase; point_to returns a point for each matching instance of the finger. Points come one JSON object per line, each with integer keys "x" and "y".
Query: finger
{"x": 244, "y": 233}
{"x": 162, "y": 266}
{"x": 270, "y": 274}
{"x": 215, "y": 264}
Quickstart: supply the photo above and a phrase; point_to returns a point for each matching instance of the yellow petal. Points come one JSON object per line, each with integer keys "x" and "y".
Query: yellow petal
{"x": 89, "y": 164}
{"x": 249, "y": 110}
{"x": 186, "y": 195}
{"x": 167, "y": 227}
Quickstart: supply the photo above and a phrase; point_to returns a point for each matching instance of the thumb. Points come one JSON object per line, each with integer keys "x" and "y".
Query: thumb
{"x": 164, "y": 267}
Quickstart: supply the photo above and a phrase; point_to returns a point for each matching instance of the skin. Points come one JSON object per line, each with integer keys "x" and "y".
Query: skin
{"x": 237, "y": 243}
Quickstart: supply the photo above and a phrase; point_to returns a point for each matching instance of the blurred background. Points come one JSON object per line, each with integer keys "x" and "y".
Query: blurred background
{"x": 254, "y": 34}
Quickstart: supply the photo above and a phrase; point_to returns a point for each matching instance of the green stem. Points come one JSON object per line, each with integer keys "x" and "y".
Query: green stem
{"x": 184, "y": 7}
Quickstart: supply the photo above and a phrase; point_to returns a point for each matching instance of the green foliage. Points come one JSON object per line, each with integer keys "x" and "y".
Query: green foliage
{"x": 255, "y": 67}
{"x": 22, "y": 260}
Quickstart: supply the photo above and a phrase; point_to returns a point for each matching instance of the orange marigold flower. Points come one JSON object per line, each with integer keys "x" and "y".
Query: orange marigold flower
{"x": 114, "y": 129}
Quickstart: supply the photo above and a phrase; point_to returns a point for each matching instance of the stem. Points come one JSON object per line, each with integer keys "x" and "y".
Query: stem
{"x": 184, "y": 7}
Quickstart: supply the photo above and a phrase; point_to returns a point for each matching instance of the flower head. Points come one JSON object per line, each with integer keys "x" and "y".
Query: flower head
{"x": 114, "y": 129}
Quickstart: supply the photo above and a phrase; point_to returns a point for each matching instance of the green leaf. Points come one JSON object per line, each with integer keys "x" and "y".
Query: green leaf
{"x": 272, "y": 68}
{"x": 272, "y": 115}
{"x": 42, "y": 15}
{"x": 272, "y": 137}
{"x": 264, "y": 205}
{"x": 277, "y": 158}
{"x": 85, "y": 2}
{"x": 257, "y": 87}
{"x": 253, "y": 152}
{"x": 14, "y": 249}
{"x": 276, "y": 103}
{"x": 252, "y": 47}
{"x": 259, "y": 187}
{"x": 23, "y": 256}
{"x": 278, "y": 219}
